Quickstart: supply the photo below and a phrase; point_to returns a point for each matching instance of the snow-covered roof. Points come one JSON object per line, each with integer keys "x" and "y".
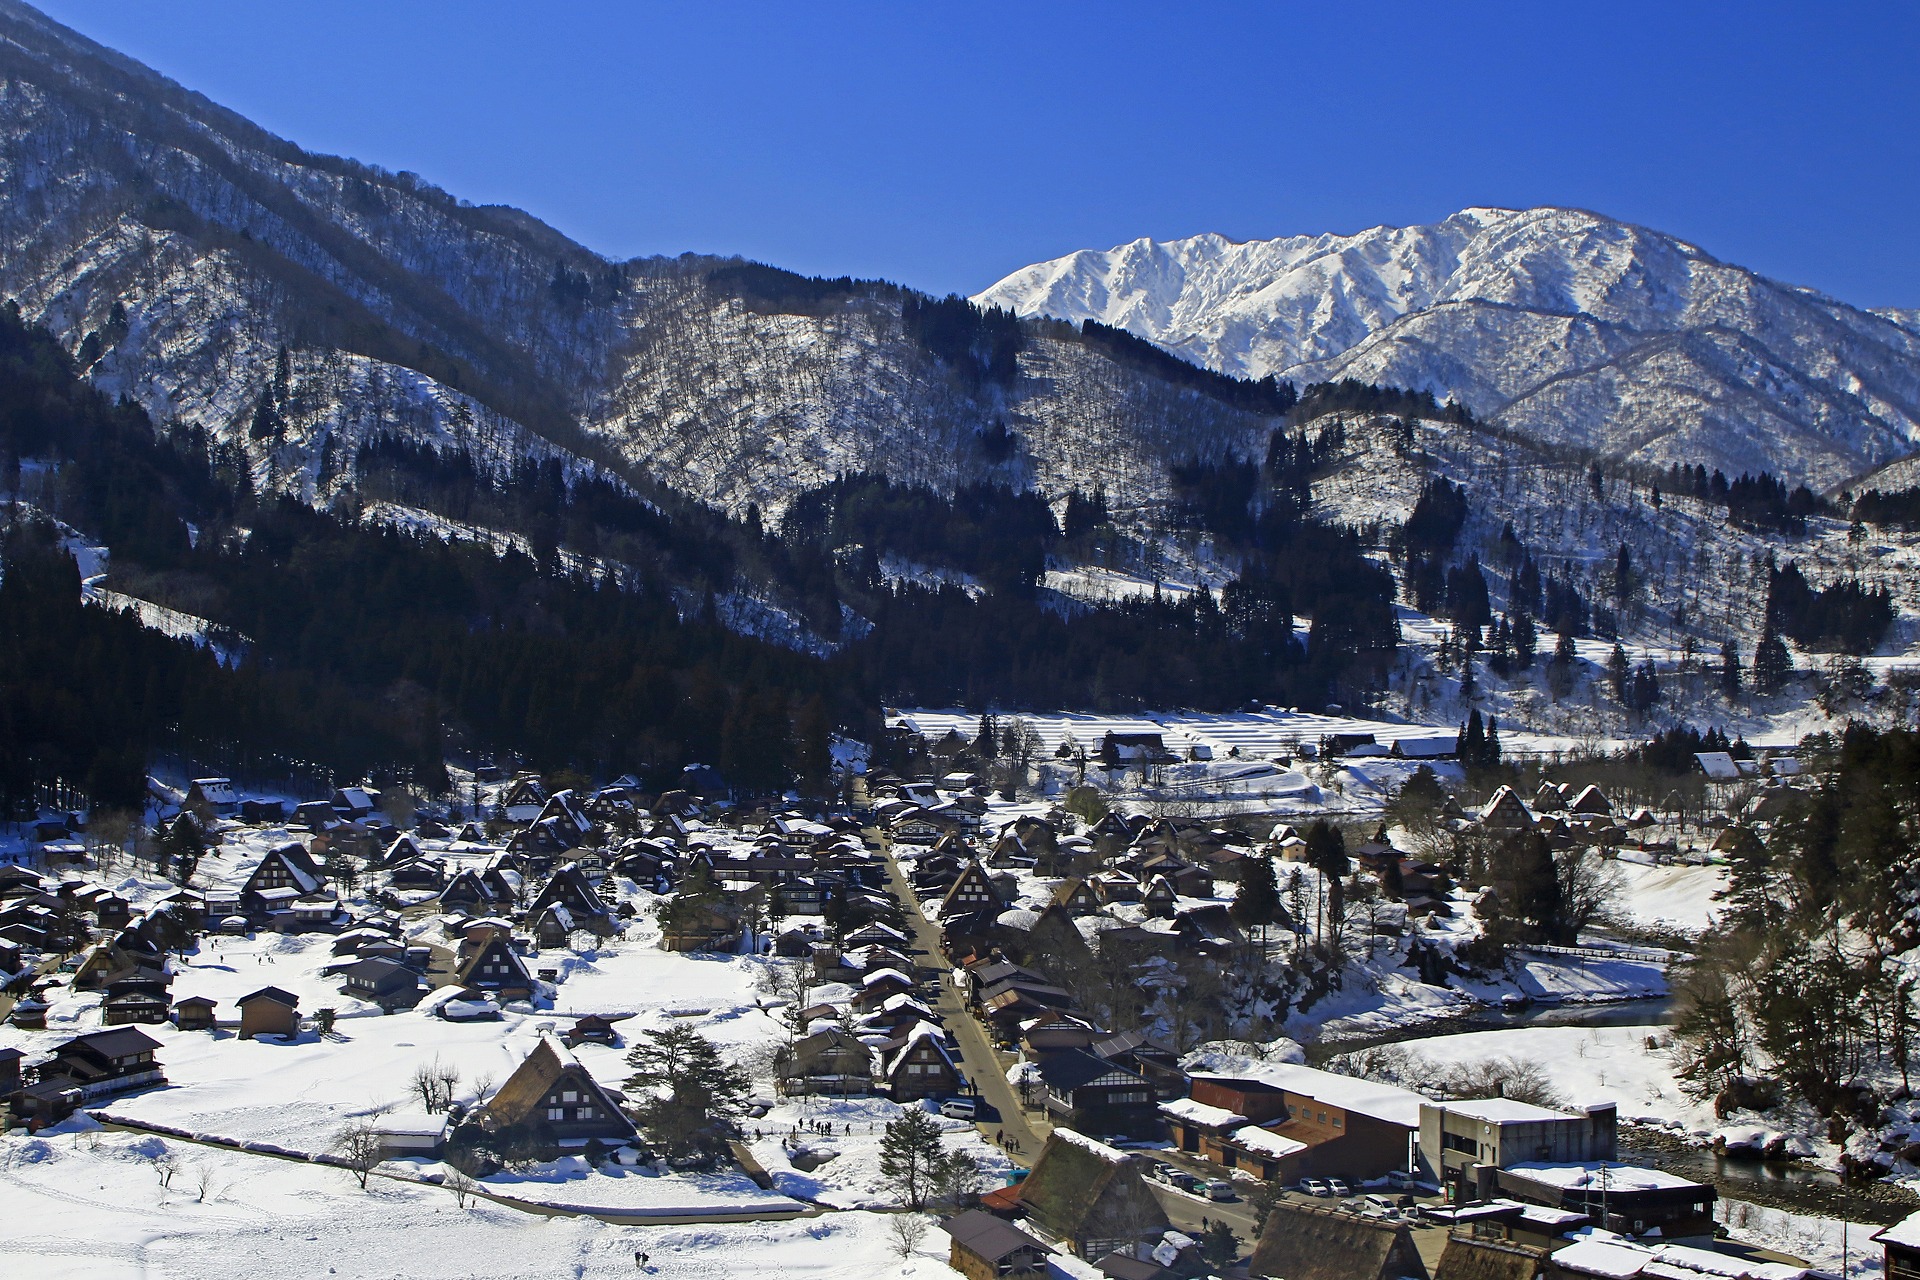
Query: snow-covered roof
{"x": 1501, "y": 1110}
{"x": 1718, "y": 765}
{"x": 1904, "y": 1232}
{"x": 1596, "y": 1175}
{"x": 1612, "y": 1258}
{"x": 1073, "y": 1137}
{"x": 1267, "y": 1142}
{"x": 1363, "y": 1097}
{"x": 411, "y": 1124}
{"x": 1200, "y": 1113}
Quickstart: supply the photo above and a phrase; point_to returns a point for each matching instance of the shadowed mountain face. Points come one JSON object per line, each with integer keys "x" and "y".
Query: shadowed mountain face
{"x": 205, "y": 268}
{"x": 1560, "y": 324}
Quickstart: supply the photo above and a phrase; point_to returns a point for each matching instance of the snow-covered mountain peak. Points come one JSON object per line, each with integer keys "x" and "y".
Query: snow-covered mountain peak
{"x": 1560, "y": 322}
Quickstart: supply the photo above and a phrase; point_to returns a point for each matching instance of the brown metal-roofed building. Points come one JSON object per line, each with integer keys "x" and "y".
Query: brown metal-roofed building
{"x": 989, "y": 1248}
{"x": 269, "y": 1012}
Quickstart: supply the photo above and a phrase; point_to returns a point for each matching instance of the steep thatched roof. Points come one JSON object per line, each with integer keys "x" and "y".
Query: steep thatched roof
{"x": 1080, "y": 1188}
{"x": 528, "y": 1084}
{"x": 1475, "y": 1259}
{"x": 518, "y": 1100}
{"x": 1305, "y": 1243}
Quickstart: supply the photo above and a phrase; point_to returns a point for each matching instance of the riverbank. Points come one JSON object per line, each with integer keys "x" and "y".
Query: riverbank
{"x": 1793, "y": 1185}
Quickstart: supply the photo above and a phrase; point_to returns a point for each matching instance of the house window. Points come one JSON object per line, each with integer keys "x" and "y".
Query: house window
{"x": 583, "y": 1113}
{"x": 1338, "y": 1122}
{"x": 556, "y": 1113}
{"x": 570, "y": 1095}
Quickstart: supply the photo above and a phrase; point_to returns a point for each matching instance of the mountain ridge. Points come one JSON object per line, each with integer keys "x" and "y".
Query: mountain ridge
{"x": 181, "y": 249}
{"x": 1530, "y": 318}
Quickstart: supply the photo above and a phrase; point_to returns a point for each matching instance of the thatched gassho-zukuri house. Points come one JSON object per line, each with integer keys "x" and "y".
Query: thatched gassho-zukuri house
{"x": 552, "y": 1092}
{"x": 1477, "y": 1258}
{"x": 1091, "y": 1197}
{"x": 1305, "y": 1243}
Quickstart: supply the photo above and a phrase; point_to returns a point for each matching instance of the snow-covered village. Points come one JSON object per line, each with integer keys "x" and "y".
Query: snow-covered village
{"x": 947, "y": 1020}
{"x": 729, "y": 694}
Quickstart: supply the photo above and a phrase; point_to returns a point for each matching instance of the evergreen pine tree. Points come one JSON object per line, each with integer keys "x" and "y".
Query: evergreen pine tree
{"x": 1617, "y": 671}
{"x": 1256, "y": 903}
{"x": 1730, "y": 669}
{"x": 911, "y": 1154}
{"x": 1473, "y": 741}
{"x": 1526, "y": 640}
{"x": 987, "y": 741}
{"x": 1771, "y": 662}
{"x": 1623, "y": 578}
{"x": 692, "y": 1093}
{"x": 1327, "y": 854}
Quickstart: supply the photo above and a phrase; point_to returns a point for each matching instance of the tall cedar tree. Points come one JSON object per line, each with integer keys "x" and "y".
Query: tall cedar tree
{"x": 911, "y": 1155}
{"x": 1256, "y": 902}
{"x": 1327, "y": 854}
{"x": 691, "y": 1095}
{"x": 1772, "y": 665}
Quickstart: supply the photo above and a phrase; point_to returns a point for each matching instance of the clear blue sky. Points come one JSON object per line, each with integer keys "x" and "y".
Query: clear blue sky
{"x": 945, "y": 145}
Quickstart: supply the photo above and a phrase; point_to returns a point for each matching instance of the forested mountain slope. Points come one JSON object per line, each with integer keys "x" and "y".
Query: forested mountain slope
{"x": 180, "y": 251}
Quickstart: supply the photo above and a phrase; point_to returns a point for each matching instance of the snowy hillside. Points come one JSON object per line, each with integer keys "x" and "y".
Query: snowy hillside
{"x": 177, "y": 250}
{"x": 1563, "y": 324}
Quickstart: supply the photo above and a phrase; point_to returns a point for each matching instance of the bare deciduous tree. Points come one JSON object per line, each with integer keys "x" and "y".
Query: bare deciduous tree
{"x": 461, "y": 1184}
{"x": 434, "y": 1083}
{"x": 907, "y": 1230}
{"x": 792, "y": 982}
{"x": 358, "y": 1146}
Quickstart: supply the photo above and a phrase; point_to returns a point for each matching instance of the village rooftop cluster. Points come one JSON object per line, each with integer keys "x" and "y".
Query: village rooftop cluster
{"x": 454, "y": 993}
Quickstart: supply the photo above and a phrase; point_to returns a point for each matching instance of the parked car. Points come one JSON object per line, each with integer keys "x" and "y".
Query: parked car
{"x": 1315, "y": 1187}
{"x": 1186, "y": 1181}
{"x": 1339, "y": 1188}
{"x": 1220, "y": 1189}
{"x": 1401, "y": 1180}
{"x": 958, "y": 1108}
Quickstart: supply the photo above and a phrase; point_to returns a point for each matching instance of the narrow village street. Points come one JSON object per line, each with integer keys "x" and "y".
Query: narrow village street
{"x": 985, "y": 1069}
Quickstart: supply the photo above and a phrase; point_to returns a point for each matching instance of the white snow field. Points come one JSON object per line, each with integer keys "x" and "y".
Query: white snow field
{"x": 99, "y": 1212}
{"x": 1583, "y": 1064}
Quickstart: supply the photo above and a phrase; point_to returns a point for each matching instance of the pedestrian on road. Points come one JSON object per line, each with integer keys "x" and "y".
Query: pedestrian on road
{"x": 999, "y": 1138}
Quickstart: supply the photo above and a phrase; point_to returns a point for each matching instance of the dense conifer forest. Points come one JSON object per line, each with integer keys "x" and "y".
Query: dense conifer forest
{"x": 352, "y": 648}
